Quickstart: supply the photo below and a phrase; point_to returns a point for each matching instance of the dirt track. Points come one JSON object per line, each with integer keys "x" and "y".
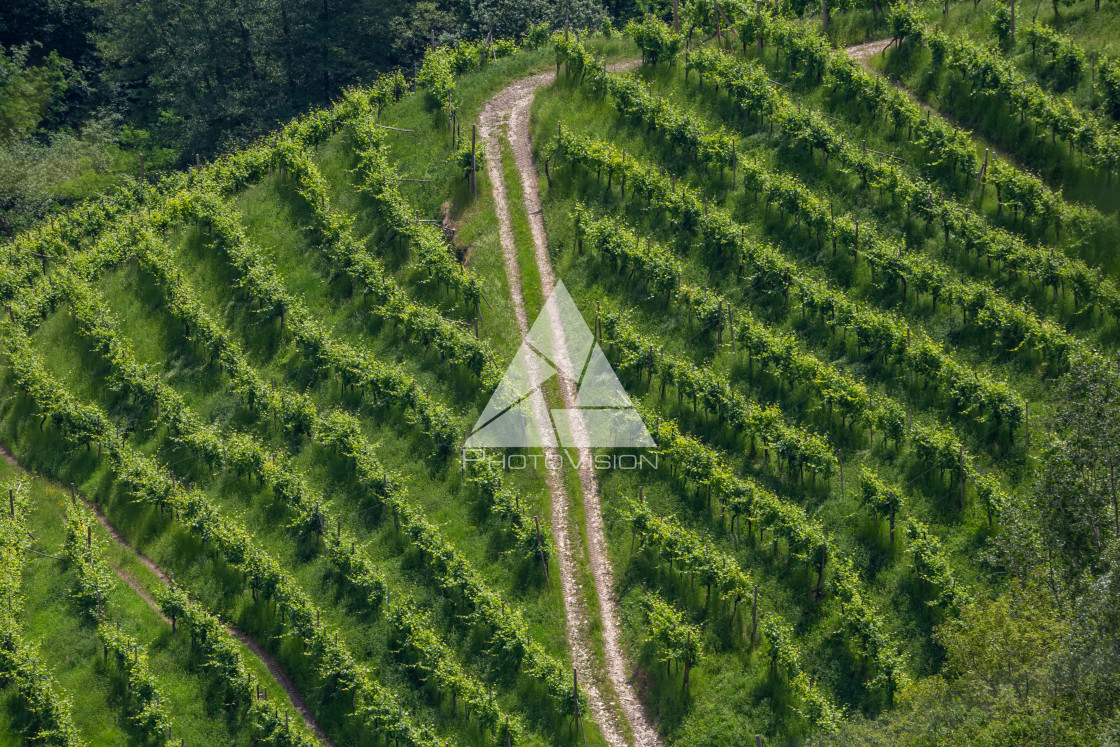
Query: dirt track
{"x": 509, "y": 109}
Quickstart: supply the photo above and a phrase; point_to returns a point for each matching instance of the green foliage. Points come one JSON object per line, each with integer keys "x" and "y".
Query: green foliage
{"x": 221, "y": 658}
{"x": 27, "y": 92}
{"x": 147, "y": 711}
{"x": 1067, "y": 60}
{"x": 656, "y": 40}
{"x": 95, "y": 579}
{"x": 905, "y": 22}
{"x": 878, "y": 330}
{"x": 669, "y": 635}
{"x": 1001, "y": 26}
{"x": 437, "y": 76}
{"x": 21, "y": 665}
{"x": 467, "y": 158}
{"x": 997, "y": 77}
{"x": 933, "y": 566}
{"x": 435, "y": 662}
{"x": 1108, "y": 72}
{"x": 537, "y": 36}
{"x": 880, "y": 499}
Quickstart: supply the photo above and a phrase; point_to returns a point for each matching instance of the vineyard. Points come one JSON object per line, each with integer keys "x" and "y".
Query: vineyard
{"x": 867, "y": 308}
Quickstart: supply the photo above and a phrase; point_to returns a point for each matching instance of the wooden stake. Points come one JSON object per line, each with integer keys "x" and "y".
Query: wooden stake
{"x": 960, "y": 464}
{"x": 980, "y": 175}
{"x": 754, "y": 612}
{"x": 731, "y": 326}
{"x": 474, "y": 163}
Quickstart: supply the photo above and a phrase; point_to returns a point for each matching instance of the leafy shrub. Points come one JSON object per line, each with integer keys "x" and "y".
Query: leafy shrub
{"x": 656, "y": 40}
{"x": 462, "y": 157}
{"x": 1001, "y": 25}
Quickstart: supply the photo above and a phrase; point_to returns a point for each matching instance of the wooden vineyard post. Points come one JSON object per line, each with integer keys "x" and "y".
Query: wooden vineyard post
{"x": 540, "y": 549}
{"x": 676, "y": 19}
{"x": 758, "y": 13}
{"x": 731, "y": 327}
{"x": 575, "y": 705}
{"x": 820, "y": 572}
{"x": 1012, "y": 18}
{"x": 754, "y": 615}
{"x": 565, "y": 45}
{"x": 687, "y": 660}
{"x": 980, "y": 175}
{"x": 719, "y": 35}
{"x": 960, "y": 465}
{"x": 840, "y": 460}
{"x": 734, "y": 162}
{"x": 890, "y": 509}
{"x": 474, "y": 163}
{"x": 12, "y": 502}
{"x": 1027, "y": 424}
{"x": 824, "y": 15}
{"x": 623, "y": 185}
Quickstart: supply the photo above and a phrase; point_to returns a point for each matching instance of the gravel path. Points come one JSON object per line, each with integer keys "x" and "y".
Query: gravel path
{"x": 861, "y": 53}
{"x": 510, "y": 109}
{"x": 266, "y": 658}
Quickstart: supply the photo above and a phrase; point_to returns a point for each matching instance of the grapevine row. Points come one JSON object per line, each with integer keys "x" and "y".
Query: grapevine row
{"x": 749, "y": 88}
{"x": 801, "y": 449}
{"x": 221, "y": 658}
{"x": 435, "y": 661}
{"x": 990, "y": 74}
{"x": 20, "y": 663}
{"x": 880, "y": 331}
{"x": 354, "y": 367}
{"x": 380, "y": 181}
{"x": 95, "y": 582}
{"x": 785, "y": 657}
{"x": 441, "y": 64}
{"x": 695, "y": 556}
{"x": 147, "y": 482}
{"x": 427, "y": 326}
{"x": 237, "y": 451}
{"x": 933, "y": 445}
{"x": 806, "y": 540}
{"x": 453, "y": 573}
{"x": 949, "y": 145}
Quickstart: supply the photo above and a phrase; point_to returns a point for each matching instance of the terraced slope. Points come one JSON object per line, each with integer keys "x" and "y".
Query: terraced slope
{"x": 259, "y": 377}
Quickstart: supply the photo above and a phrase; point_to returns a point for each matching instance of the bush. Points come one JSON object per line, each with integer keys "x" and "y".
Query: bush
{"x": 1001, "y": 25}
{"x": 537, "y": 35}
{"x": 656, "y": 40}
{"x": 462, "y": 157}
